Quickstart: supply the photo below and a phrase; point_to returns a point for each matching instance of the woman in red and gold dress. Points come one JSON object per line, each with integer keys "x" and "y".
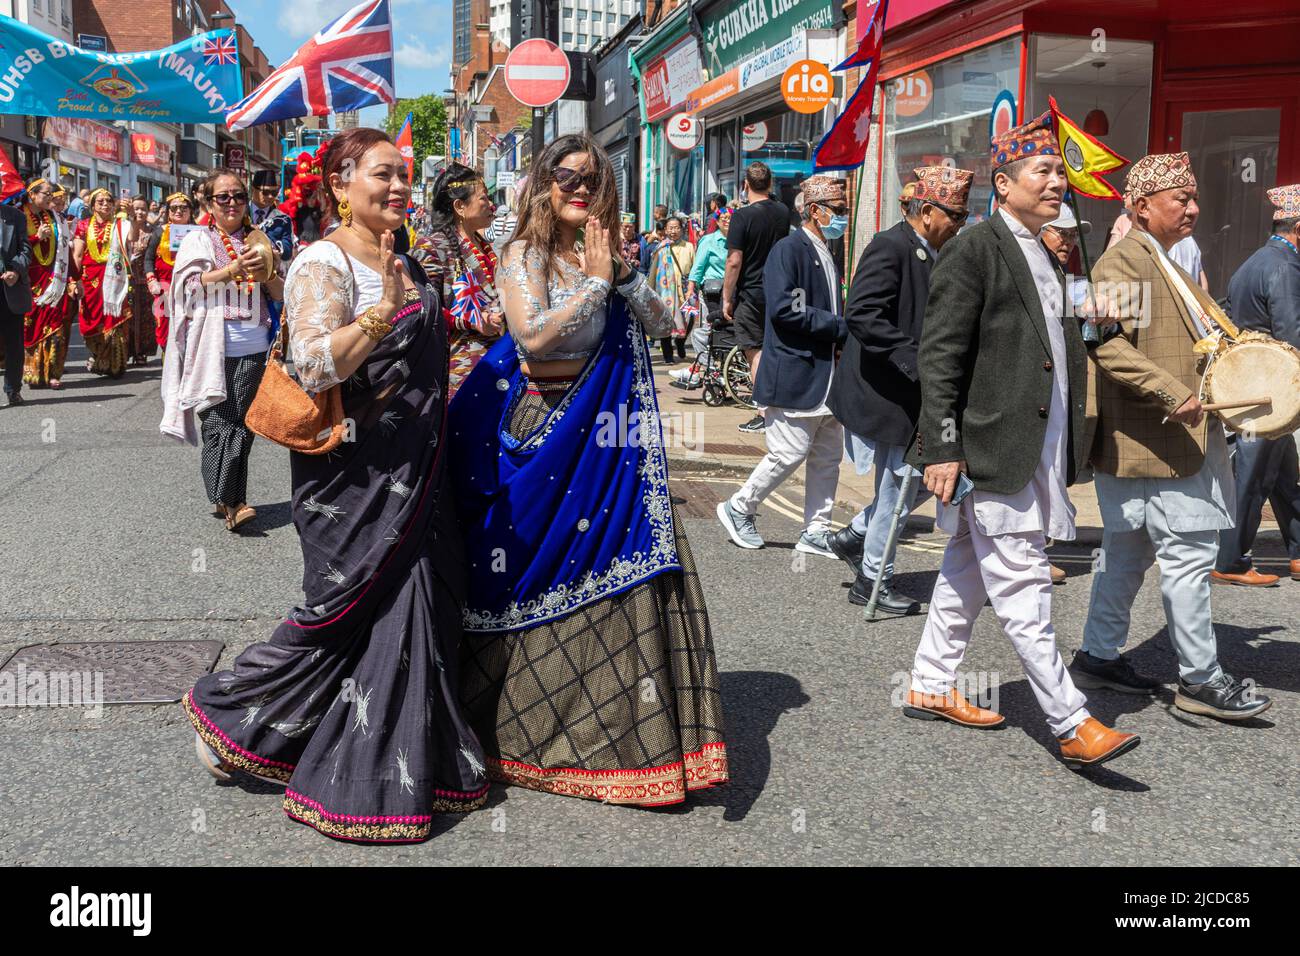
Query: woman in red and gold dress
{"x": 100, "y": 249}
{"x": 45, "y": 339}
{"x": 160, "y": 259}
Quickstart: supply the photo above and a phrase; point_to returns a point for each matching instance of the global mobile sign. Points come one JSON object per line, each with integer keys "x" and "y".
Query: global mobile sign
{"x": 734, "y": 32}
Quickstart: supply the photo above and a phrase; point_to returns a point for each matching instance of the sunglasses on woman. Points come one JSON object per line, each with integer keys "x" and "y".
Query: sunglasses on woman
{"x": 227, "y": 199}
{"x": 570, "y": 179}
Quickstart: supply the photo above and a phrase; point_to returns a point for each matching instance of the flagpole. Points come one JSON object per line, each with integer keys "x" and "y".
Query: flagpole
{"x": 1089, "y": 331}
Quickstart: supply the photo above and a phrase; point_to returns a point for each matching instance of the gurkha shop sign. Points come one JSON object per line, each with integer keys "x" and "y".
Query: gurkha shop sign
{"x": 734, "y": 32}
{"x": 193, "y": 81}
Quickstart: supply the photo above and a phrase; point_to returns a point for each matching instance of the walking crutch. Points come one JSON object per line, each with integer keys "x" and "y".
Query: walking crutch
{"x": 891, "y": 542}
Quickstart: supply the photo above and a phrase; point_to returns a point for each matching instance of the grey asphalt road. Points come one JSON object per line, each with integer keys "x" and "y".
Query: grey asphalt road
{"x": 101, "y": 524}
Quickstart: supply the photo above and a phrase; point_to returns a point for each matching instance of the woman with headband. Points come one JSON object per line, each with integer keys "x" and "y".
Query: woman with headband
{"x": 101, "y": 251}
{"x": 160, "y": 259}
{"x": 44, "y": 335}
{"x": 457, "y": 251}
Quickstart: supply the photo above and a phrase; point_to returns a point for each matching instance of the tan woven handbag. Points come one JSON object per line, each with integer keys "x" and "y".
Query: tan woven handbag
{"x": 284, "y": 413}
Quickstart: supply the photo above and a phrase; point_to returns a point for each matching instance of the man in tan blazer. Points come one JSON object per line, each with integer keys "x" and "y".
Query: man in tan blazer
{"x": 1163, "y": 479}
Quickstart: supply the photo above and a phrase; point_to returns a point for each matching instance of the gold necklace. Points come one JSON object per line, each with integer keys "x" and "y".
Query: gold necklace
{"x": 33, "y": 226}
{"x": 95, "y": 243}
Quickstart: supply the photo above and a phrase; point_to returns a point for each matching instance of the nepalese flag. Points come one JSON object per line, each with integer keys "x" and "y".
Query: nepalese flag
{"x": 220, "y": 51}
{"x": 467, "y": 300}
{"x": 845, "y": 144}
{"x": 344, "y": 67}
{"x": 406, "y": 147}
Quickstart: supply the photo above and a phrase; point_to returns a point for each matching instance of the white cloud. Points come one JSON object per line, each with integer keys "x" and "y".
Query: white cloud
{"x": 301, "y": 20}
{"x": 414, "y": 55}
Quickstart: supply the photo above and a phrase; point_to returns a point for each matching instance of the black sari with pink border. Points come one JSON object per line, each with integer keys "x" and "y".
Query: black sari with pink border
{"x": 353, "y": 701}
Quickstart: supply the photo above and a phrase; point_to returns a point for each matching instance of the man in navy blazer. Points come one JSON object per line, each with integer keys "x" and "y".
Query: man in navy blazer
{"x": 877, "y": 393}
{"x": 801, "y": 340}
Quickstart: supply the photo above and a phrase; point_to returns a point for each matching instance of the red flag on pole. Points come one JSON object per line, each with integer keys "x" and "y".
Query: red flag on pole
{"x": 845, "y": 144}
{"x": 11, "y": 184}
{"x": 406, "y": 146}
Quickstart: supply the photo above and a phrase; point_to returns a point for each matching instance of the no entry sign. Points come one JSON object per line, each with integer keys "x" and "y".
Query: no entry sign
{"x": 537, "y": 73}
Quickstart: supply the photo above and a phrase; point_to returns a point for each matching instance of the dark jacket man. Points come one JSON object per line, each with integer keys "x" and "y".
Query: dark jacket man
{"x": 1264, "y": 293}
{"x": 15, "y": 256}
{"x": 804, "y": 326}
{"x": 986, "y": 364}
{"x": 876, "y": 393}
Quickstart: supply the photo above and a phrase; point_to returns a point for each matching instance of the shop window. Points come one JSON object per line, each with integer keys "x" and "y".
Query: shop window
{"x": 939, "y": 115}
{"x": 785, "y": 141}
{"x": 1107, "y": 89}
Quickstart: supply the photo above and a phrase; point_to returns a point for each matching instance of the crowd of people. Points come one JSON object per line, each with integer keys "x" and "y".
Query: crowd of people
{"x": 954, "y": 368}
{"x": 493, "y": 594}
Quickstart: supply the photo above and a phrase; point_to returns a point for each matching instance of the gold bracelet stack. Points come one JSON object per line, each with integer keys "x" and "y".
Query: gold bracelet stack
{"x": 370, "y": 323}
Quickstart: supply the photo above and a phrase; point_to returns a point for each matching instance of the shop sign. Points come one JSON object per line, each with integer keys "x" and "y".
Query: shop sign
{"x": 913, "y": 93}
{"x": 144, "y": 149}
{"x": 668, "y": 80}
{"x": 84, "y": 136}
{"x": 236, "y": 156}
{"x": 683, "y": 132}
{"x": 753, "y": 137}
{"x": 736, "y": 31}
{"x": 773, "y": 61}
{"x": 807, "y": 86}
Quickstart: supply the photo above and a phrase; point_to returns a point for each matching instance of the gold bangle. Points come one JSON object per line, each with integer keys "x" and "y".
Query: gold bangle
{"x": 373, "y": 325}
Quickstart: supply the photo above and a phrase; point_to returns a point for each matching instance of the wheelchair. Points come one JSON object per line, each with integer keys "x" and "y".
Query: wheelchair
{"x": 721, "y": 370}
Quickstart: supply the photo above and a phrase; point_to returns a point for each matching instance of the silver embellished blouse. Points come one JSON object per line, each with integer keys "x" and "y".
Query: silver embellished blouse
{"x": 568, "y": 301}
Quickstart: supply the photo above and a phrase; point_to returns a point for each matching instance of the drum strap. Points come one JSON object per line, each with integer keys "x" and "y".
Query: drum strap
{"x": 1208, "y": 322}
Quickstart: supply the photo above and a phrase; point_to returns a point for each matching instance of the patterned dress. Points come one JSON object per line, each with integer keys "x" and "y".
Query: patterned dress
{"x": 105, "y": 334}
{"x": 596, "y": 677}
{"x": 45, "y": 338}
{"x": 352, "y": 703}
{"x": 467, "y": 267}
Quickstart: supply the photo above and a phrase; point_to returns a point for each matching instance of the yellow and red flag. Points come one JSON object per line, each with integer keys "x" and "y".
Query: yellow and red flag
{"x": 1085, "y": 157}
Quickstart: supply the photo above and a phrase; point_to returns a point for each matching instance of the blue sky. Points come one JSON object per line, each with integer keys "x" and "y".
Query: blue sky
{"x": 421, "y": 37}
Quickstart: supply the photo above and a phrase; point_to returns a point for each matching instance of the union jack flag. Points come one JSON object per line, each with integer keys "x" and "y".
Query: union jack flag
{"x": 468, "y": 297}
{"x": 344, "y": 67}
{"x": 220, "y": 51}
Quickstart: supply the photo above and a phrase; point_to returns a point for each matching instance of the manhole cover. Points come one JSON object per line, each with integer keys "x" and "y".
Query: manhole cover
{"x": 105, "y": 672}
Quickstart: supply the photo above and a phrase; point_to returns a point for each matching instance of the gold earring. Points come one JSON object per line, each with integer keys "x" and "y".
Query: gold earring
{"x": 345, "y": 212}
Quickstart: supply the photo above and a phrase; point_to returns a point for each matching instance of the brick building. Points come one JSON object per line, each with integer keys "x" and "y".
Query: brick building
{"x": 484, "y": 111}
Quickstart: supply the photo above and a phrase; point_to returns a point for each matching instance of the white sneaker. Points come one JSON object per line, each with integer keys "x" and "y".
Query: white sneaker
{"x": 815, "y": 542}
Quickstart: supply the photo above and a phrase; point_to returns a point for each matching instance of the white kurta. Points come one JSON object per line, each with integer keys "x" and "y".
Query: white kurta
{"x": 997, "y": 546}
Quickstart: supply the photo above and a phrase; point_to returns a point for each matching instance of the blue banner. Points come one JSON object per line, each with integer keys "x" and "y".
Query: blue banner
{"x": 193, "y": 81}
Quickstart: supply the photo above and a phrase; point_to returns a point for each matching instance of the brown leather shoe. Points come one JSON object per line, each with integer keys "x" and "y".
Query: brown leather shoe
{"x": 1295, "y": 570}
{"x": 950, "y": 706}
{"x": 1249, "y": 578}
{"x": 1095, "y": 743}
{"x": 1058, "y": 574}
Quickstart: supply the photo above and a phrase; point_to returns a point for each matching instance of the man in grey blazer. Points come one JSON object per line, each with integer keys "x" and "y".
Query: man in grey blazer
{"x": 1003, "y": 387}
{"x": 15, "y": 257}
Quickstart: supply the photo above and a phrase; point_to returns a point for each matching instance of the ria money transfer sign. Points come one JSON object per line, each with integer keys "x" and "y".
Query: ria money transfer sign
{"x": 193, "y": 81}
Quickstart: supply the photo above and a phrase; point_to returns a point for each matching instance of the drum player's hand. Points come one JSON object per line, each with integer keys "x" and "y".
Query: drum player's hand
{"x": 941, "y": 479}
{"x": 1188, "y": 413}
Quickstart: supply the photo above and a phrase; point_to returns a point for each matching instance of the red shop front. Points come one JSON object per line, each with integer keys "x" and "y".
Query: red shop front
{"x": 1219, "y": 80}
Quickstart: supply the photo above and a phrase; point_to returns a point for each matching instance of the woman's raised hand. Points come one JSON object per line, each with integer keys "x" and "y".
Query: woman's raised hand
{"x": 597, "y": 257}
{"x": 392, "y": 270}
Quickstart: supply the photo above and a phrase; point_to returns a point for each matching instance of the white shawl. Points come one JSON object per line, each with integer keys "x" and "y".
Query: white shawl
{"x": 117, "y": 272}
{"x": 53, "y": 292}
{"x": 194, "y": 377}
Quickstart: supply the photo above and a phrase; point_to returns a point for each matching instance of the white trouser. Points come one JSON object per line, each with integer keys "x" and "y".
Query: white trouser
{"x": 791, "y": 439}
{"x": 1012, "y": 571}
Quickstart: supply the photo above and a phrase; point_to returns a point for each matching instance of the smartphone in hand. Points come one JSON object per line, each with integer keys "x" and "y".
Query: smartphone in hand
{"x": 964, "y": 487}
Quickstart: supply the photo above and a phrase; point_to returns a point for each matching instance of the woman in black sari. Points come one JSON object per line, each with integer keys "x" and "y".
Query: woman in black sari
{"x": 353, "y": 702}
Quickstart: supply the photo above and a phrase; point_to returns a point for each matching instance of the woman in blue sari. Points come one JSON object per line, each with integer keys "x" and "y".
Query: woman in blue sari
{"x": 588, "y": 666}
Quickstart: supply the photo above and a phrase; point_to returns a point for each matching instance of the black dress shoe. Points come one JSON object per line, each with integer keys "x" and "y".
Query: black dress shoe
{"x": 847, "y": 545}
{"x": 1092, "y": 673}
{"x": 888, "y": 601}
{"x": 1225, "y": 698}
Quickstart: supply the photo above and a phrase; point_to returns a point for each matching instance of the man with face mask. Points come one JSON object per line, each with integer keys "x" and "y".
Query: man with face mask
{"x": 803, "y": 331}
{"x": 876, "y": 394}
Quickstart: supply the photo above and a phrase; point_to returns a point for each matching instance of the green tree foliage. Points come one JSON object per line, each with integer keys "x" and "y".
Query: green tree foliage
{"x": 428, "y": 125}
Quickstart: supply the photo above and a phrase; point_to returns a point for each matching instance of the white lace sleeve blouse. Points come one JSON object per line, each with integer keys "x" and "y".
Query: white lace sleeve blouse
{"x": 321, "y": 294}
